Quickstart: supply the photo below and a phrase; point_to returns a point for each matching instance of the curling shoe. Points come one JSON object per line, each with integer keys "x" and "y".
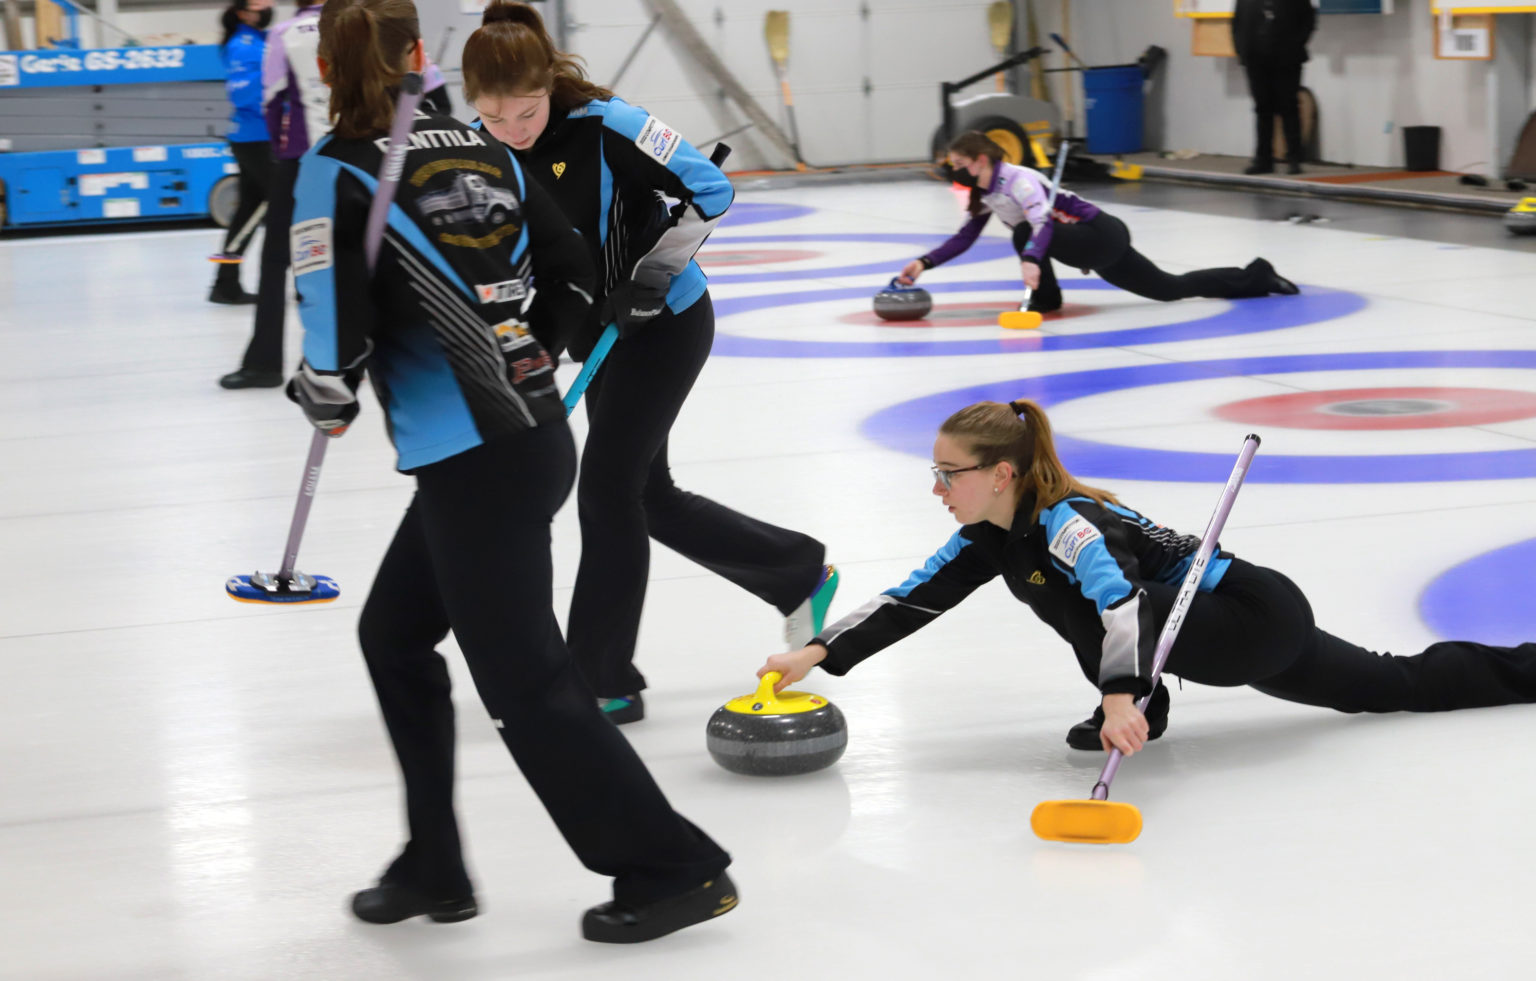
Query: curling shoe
{"x": 391, "y": 903}
{"x": 620, "y": 923}
{"x": 246, "y": 378}
{"x": 624, "y": 709}
{"x": 1085, "y": 735}
{"x": 1273, "y": 281}
{"x": 226, "y": 284}
{"x": 805, "y": 622}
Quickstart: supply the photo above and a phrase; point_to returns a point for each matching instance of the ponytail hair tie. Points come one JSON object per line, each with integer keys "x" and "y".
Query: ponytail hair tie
{"x": 1016, "y": 407}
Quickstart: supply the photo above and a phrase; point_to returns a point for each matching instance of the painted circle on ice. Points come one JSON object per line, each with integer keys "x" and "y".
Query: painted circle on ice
{"x": 880, "y": 272}
{"x": 1240, "y": 317}
{"x": 1486, "y": 598}
{"x": 963, "y": 315}
{"x": 1383, "y": 408}
{"x": 749, "y": 213}
{"x": 716, "y": 258}
{"x": 909, "y": 426}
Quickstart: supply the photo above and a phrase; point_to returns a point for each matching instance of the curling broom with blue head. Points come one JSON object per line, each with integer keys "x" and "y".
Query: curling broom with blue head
{"x": 289, "y": 585}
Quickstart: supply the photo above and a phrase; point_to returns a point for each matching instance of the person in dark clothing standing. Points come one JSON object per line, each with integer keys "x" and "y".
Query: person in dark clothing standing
{"x": 478, "y": 278}
{"x": 294, "y": 103}
{"x": 1105, "y": 577}
{"x": 1271, "y": 41}
{"x": 245, "y": 40}
{"x": 1075, "y": 232}
{"x": 615, "y": 170}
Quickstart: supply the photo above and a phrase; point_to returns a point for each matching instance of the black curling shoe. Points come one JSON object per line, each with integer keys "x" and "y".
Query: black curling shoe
{"x": 1273, "y": 281}
{"x": 388, "y": 903}
{"x": 618, "y": 923}
{"x": 1085, "y": 735}
{"x": 246, "y": 378}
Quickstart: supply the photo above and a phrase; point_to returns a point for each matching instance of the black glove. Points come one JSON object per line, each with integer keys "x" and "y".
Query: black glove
{"x": 328, "y": 401}
{"x": 632, "y": 305}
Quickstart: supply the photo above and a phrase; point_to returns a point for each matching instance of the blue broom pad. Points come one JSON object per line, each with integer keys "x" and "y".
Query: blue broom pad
{"x": 240, "y": 588}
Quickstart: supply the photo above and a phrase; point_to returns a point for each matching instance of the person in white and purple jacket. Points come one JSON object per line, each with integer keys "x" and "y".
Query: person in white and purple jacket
{"x": 1073, "y": 231}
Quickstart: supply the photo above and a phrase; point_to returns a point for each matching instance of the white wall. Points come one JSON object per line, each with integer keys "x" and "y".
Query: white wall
{"x": 1372, "y": 74}
{"x": 904, "y": 48}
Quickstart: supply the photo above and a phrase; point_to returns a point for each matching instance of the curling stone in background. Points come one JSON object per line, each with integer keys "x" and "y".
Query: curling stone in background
{"x": 769, "y": 735}
{"x": 898, "y": 302}
{"x": 1521, "y": 219}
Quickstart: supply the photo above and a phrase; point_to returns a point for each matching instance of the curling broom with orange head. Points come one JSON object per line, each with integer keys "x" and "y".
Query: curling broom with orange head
{"x": 1101, "y": 821}
{"x": 1024, "y": 318}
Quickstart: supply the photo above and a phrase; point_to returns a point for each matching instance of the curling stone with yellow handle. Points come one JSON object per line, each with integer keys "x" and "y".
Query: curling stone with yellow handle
{"x": 1521, "y": 219}
{"x": 776, "y": 735}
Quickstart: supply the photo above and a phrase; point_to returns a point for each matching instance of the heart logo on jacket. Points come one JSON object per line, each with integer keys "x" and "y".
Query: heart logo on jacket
{"x": 559, "y": 169}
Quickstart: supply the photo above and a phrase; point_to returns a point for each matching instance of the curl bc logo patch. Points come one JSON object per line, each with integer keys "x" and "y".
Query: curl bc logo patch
{"x": 310, "y": 242}
{"x": 658, "y": 139}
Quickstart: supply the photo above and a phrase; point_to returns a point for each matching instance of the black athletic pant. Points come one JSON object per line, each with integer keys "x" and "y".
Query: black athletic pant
{"x": 255, "y": 163}
{"x": 472, "y": 555}
{"x": 1256, "y": 628}
{"x": 626, "y": 497}
{"x": 265, "y": 352}
{"x": 1103, "y": 245}
{"x": 1276, "y": 90}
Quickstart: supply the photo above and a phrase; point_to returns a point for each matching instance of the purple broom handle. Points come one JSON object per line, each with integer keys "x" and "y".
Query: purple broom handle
{"x": 373, "y": 239}
{"x": 1186, "y": 596}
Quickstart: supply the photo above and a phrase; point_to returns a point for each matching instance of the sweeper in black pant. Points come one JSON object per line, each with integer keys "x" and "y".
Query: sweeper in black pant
{"x": 612, "y": 167}
{"x": 1104, "y": 577}
{"x": 1072, "y": 231}
{"x": 245, "y": 41}
{"x": 461, "y": 362}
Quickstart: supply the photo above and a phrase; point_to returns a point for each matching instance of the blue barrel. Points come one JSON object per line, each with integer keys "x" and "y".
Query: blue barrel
{"x": 1113, "y": 98}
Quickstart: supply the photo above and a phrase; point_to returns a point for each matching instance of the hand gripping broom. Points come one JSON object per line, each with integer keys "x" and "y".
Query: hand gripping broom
{"x": 289, "y": 585}
{"x": 1099, "y": 820}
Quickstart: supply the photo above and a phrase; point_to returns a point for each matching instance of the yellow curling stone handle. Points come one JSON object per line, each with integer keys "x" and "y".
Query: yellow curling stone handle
{"x": 765, "y": 702}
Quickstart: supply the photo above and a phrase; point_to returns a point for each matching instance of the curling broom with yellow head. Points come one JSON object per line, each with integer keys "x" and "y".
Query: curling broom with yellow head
{"x": 1100, "y": 821}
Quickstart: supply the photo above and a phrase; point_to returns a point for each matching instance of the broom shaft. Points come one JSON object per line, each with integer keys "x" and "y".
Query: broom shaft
{"x": 1186, "y": 596}
{"x": 373, "y": 238}
{"x": 1050, "y": 205}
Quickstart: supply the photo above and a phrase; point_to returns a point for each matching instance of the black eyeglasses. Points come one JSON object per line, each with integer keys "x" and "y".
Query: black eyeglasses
{"x": 947, "y": 477}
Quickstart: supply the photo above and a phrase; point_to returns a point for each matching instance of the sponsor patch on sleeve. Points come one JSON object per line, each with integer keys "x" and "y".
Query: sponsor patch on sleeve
{"x": 1073, "y": 536}
{"x": 503, "y": 292}
{"x": 658, "y": 140}
{"x": 311, "y": 243}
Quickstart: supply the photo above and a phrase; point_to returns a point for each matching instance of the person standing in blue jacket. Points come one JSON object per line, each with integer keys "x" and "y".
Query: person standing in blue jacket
{"x": 1105, "y": 577}
{"x": 293, "y": 101}
{"x": 245, "y": 42}
{"x": 616, "y": 171}
{"x": 478, "y": 278}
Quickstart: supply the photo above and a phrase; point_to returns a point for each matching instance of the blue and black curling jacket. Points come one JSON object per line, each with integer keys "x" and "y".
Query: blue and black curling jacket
{"x": 640, "y": 195}
{"x": 480, "y": 279}
{"x": 1081, "y": 567}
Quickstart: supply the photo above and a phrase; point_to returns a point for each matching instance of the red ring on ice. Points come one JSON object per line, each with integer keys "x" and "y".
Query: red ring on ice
{"x": 982, "y": 314}
{"x": 1383, "y": 408}
{"x": 720, "y": 257}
